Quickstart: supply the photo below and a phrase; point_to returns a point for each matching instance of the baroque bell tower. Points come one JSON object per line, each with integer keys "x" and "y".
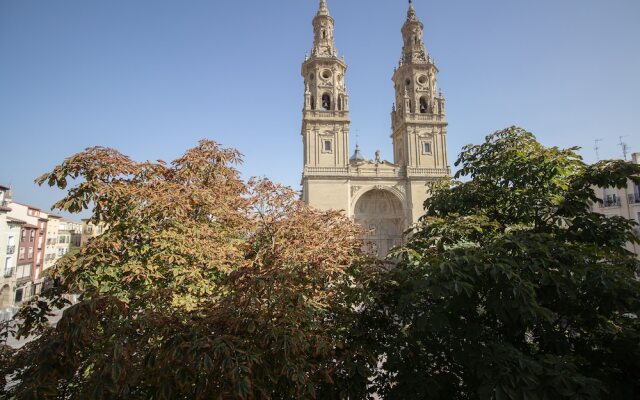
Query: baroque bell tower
{"x": 325, "y": 120}
{"x": 418, "y": 122}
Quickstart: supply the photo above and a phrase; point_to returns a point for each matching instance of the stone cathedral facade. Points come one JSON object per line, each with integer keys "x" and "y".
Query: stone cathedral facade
{"x": 384, "y": 197}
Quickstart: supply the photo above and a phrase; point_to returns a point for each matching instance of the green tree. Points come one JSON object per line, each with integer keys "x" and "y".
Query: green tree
{"x": 510, "y": 287}
{"x": 201, "y": 287}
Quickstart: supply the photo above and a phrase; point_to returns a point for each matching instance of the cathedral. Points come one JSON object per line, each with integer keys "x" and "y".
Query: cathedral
{"x": 384, "y": 197}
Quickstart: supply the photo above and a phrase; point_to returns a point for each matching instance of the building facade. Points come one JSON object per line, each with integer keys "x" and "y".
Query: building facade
{"x": 9, "y": 236}
{"x": 384, "y": 197}
{"x": 69, "y": 236}
{"x": 51, "y": 244}
{"x": 90, "y": 230}
{"x": 623, "y": 202}
{"x": 31, "y": 241}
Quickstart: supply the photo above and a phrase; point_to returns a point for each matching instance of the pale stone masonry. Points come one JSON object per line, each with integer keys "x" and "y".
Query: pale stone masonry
{"x": 385, "y": 197}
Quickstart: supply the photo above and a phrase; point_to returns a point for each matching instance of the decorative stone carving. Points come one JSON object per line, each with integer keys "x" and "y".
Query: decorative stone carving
{"x": 354, "y": 190}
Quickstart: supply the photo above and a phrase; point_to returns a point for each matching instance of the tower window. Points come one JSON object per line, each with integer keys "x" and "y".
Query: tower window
{"x": 324, "y": 34}
{"x": 340, "y": 101}
{"x": 313, "y": 102}
{"x": 326, "y": 146}
{"x": 423, "y": 105}
{"x": 326, "y": 102}
{"x": 426, "y": 147}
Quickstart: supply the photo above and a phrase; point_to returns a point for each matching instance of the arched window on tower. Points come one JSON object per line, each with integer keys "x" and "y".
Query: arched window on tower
{"x": 423, "y": 105}
{"x": 324, "y": 34}
{"x": 340, "y": 103}
{"x": 326, "y": 102}
{"x": 313, "y": 102}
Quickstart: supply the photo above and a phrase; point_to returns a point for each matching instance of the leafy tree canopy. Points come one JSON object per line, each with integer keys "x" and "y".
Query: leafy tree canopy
{"x": 201, "y": 287}
{"x": 511, "y": 287}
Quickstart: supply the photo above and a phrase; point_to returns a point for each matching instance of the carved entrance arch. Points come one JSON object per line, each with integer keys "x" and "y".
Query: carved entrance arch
{"x": 382, "y": 214}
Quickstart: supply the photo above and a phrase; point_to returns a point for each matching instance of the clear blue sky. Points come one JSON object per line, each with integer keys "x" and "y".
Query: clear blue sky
{"x": 151, "y": 78}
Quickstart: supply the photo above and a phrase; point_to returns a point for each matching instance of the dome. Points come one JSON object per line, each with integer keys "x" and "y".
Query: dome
{"x": 357, "y": 155}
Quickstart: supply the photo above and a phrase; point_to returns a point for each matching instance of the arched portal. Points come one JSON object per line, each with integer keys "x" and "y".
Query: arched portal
{"x": 381, "y": 213}
{"x": 5, "y": 297}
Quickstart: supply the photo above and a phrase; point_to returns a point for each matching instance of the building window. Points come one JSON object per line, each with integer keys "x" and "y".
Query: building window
{"x": 32, "y": 236}
{"x": 21, "y": 253}
{"x": 610, "y": 197}
{"x": 426, "y": 147}
{"x": 30, "y": 253}
{"x": 8, "y": 267}
{"x": 326, "y": 146}
{"x": 24, "y": 234}
{"x": 24, "y": 271}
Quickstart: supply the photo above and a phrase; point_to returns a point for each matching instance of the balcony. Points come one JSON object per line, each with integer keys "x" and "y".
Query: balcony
{"x": 611, "y": 202}
{"x": 11, "y": 250}
{"x": 8, "y": 272}
{"x": 634, "y": 198}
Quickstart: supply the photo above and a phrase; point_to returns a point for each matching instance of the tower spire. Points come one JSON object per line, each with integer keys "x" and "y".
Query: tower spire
{"x": 323, "y": 9}
{"x": 411, "y": 13}
{"x": 414, "y": 50}
{"x": 323, "y": 45}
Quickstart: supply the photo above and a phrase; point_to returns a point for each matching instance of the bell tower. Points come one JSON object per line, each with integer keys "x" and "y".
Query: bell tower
{"x": 418, "y": 122}
{"x": 325, "y": 119}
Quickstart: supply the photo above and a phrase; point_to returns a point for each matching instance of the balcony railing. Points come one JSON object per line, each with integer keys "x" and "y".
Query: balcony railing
{"x": 634, "y": 198}
{"x": 8, "y": 272}
{"x": 11, "y": 250}
{"x": 326, "y": 114}
{"x": 611, "y": 202}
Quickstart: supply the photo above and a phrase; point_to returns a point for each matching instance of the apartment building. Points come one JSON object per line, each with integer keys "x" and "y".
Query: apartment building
{"x": 51, "y": 244}
{"x": 33, "y": 239}
{"x": 9, "y": 235}
{"x": 69, "y": 236}
{"x": 623, "y": 202}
